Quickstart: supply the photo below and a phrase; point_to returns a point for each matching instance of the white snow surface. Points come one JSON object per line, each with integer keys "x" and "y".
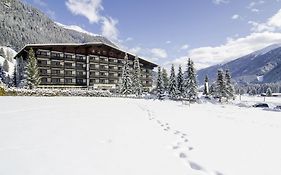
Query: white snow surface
{"x": 105, "y": 136}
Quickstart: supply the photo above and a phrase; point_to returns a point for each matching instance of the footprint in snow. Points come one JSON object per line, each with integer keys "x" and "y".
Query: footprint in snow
{"x": 182, "y": 155}
{"x": 196, "y": 166}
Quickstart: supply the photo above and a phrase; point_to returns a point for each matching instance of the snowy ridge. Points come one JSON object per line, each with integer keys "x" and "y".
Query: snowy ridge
{"x": 76, "y": 28}
{"x": 266, "y": 50}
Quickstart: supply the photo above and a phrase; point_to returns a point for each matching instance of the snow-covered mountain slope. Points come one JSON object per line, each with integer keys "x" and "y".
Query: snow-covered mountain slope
{"x": 10, "y": 53}
{"x": 22, "y": 24}
{"x": 249, "y": 67}
{"x": 76, "y": 28}
{"x": 105, "y": 136}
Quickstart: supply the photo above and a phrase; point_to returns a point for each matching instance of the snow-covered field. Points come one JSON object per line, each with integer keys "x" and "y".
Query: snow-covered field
{"x": 105, "y": 136}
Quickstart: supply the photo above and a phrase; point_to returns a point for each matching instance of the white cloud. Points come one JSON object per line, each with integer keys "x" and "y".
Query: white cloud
{"x": 168, "y": 42}
{"x": 91, "y": 10}
{"x": 135, "y": 50}
{"x": 253, "y": 4}
{"x": 87, "y": 8}
{"x": 232, "y": 49}
{"x": 220, "y": 2}
{"x": 236, "y": 16}
{"x": 159, "y": 53}
{"x": 255, "y": 10}
{"x": 40, "y": 2}
{"x": 184, "y": 47}
{"x": 272, "y": 24}
{"x": 109, "y": 28}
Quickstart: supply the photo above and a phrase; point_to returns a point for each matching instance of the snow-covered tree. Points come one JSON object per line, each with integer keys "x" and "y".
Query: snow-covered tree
{"x": 268, "y": 92}
{"x": 2, "y": 75}
{"x": 6, "y": 66}
{"x": 206, "y": 91}
{"x": 172, "y": 84}
{"x": 220, "y": 91}
{"x": 2, "y": 53}
{"x": 229, "y": 88}
{"x": 20, "y": 79}
{"x": 126, "y": 81}
{"x": 160, "y": 85}
{"x": 32, "y": 73}
{"x": 190, "y": 81}
{"x": 137, "y": 84}
{"x": 180, "y": 82}
{"x": 165, "y": 78}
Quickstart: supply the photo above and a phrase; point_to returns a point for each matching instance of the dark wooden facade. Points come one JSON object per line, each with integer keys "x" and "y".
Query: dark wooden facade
{"x": 83, "y": 65}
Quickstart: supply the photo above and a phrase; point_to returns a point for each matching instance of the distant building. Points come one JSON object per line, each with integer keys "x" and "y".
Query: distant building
{"x": 96, "y": 65}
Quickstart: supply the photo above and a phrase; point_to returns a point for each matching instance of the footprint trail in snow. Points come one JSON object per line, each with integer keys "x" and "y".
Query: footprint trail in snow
{"x": 182, "y": 147}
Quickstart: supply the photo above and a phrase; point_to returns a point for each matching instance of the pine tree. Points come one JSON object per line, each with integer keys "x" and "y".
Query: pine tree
{"x": 160, "y": 85}
{"x": 165, "y": 79}
{"x": 14, "y": 78}
{"x": 220, "y": 89}
{"x": 2, "y": 75}
{"x": 137, "y": 85}
{"x": 126, "y": 81}
{"x": 180, "y": 83}
{"x": 32, "y": 73}
{"x": 6, "y": 66}
{"x": 20, "y": 79}
{"x": 268, "y": 92}
{"x": 228, "y": 85}
{"x": 173, "y": 84}
{"x": 206, "y": 91}
{"x": 190, "y": 81}
{"x": 2, "y": 53}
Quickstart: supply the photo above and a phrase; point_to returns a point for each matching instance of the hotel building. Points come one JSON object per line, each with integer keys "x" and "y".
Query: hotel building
{"x": 90, "y": 65}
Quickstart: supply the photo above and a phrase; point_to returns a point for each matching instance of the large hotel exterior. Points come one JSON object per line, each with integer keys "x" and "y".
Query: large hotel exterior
{"x": 96, "y": 65}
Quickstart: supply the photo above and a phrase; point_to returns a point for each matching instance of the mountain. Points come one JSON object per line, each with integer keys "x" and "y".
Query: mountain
{"x": 261, "y": 66}
{"x": 21, "y": 24}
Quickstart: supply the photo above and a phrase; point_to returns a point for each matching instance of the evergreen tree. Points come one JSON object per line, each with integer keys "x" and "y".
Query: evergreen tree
{"x": 20, "y": 79}
{"x": 6, "y": 66}
{"x": 32, "y": 73}
{"x": 14, "y": 78}
{"x": 126, "y": 81}
{"x": 190, "y": 81}
{"x": 228, "y": 86}
{"x": 220, "y": 89}
{"x": 2, "y": 75}
{"x": 137, "y": 85}
{"x": 165, "y": 79}
{"x": 268, "y": 92}
{"x": 206, "y": 91}
{"x": 160, "y": 85}
{"x": 180, "y": 83}
{"x": 2, "y": 53}
{"x": 172, "y": 84}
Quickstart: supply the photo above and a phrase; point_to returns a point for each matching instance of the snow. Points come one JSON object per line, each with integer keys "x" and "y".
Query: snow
{"x": 105, "y": 136}
{"x": 11, "y": 64}
{"x": 76, "y": 28}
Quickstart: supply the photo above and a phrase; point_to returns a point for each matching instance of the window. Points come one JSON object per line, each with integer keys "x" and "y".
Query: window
{"x": 55, "y": 72}
{"x": 44, "y": 80}
{"x": 43, "y": 71}
{"x": 68, "y": 80}
{"x": 55, "y": 80}
{"x": 55, "y": 55}
{"x": 68, "y": 64}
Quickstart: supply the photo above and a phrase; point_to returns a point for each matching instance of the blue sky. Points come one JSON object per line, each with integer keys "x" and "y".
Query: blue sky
{"x": 168, "y": 32}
